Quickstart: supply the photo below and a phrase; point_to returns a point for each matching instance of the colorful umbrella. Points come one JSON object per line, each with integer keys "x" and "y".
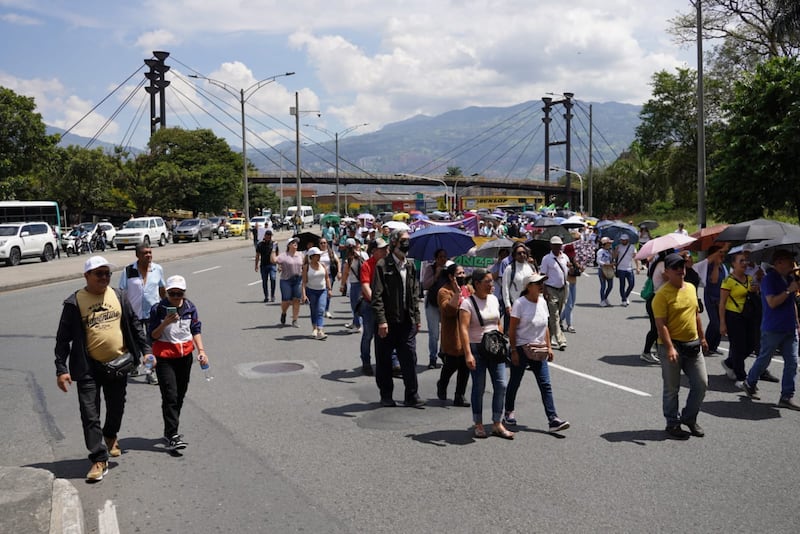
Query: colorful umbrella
{"x": 706, "y": 237}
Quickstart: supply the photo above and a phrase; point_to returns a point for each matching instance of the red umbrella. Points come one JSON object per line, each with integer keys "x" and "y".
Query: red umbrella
{"x": 706, "y": 237}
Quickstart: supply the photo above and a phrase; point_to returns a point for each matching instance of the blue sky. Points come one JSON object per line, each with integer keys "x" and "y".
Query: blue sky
{"x": 356, "y": 61}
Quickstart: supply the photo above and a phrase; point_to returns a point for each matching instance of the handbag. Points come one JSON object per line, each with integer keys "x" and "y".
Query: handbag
{"x": 119, "y": 366}
{"x": 537, "y": 352}
{"x": 608, "y": 271}
{"x": 494, "y": 345}
{"x": 648, "y": 290}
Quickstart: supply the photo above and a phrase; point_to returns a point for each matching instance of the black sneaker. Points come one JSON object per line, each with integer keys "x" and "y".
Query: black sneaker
{"x": 766, "y": 376}
{"x": 677, "y": 432}
{"x": 397, "y": 372}
{"x": 414, "y": 402}
{"x": 283, "y": 318}
{"x": 388, "y": 403}
{"x": 695, "y": 429}
{"x": 557, "y": 425}
{"x": 750, "y": 391}
{"x": 176, "y": 443}
{"x": 367, "y": 370}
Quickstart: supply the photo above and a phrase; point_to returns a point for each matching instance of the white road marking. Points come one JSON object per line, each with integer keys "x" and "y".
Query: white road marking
{"x": 107, "y": 519}
{"x": 254, "y": 283}
{"x": 206, "y": 270}
{"x": 600, "y": 380}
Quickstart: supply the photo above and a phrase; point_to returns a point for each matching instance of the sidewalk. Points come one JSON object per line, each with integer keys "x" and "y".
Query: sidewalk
{"x": 33, "y": 500}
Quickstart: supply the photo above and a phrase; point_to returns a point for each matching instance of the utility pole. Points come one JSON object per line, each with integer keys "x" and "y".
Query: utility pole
{"x": 548, "y": 104}
{"x": 591, "y": 166}
{"x": 158, "y": 84}
{"x": 701, "y": 129}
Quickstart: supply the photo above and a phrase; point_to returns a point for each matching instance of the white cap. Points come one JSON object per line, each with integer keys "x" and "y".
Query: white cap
{"x": 623, "y": 237}
{"x": 350, "y": 242}
{"x": 605, "y": 240}
{"x": 313, "y": 250}
{"x": 555, "y": 240}
{"x": 95, "y": 262}
{"x": 176, "y": 282}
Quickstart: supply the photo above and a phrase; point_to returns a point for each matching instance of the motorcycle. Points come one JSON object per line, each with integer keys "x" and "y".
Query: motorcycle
{"x": 222, "y": 231}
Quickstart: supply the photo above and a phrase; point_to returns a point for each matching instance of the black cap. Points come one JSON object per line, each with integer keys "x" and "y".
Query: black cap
{"x": 674, "y": 260}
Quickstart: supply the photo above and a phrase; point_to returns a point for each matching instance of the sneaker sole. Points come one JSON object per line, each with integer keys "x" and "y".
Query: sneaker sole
{"x": 98, "y": 479}
{"x": 559, "y": 428}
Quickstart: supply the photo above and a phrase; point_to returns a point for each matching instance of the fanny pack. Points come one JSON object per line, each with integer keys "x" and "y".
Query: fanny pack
{"x": 119, "y": 366}
{"x": 687, "y": 349}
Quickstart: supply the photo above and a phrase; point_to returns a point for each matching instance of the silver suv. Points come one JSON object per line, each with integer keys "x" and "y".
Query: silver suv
{"x": 26, "y": 240}
{"x": 140, "y": 230}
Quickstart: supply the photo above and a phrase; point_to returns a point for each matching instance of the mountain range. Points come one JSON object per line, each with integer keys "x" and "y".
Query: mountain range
{"x": 491, "y": 141}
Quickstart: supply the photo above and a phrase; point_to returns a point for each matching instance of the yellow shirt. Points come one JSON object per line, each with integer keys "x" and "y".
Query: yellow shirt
{"x": 102, "y": 321}
{"x": 679, "y": 308}
{"x": 738, "y": 295}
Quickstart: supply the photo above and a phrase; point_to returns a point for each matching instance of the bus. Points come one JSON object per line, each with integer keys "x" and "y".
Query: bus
{"x": 28, "y": 211}
{"x": 532, "y": 201}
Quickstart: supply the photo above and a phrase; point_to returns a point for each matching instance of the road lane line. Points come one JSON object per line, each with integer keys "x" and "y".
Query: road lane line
{"x": 254, "y": 283}
{"x": 206, "y": 270}
{"x": 107, "y": 519}
{"x": 600, "y": 380}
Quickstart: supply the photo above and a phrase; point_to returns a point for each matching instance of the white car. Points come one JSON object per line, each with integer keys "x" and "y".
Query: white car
{"x": 26, "y": 240}
{"x": 140, "y": 230}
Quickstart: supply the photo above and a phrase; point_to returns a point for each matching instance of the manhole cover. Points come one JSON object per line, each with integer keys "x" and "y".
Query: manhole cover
{"x": 277, "y": 367}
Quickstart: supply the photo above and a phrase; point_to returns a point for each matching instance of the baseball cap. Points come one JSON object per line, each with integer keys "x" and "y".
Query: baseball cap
{"x": 623, "y": 237}
{"x": 604, "y": 240}
{"x": 555, "y": 240}
{"x": 350, "y": 242}
{"x": 95, "y": 262}
{"x": 292, "y": 240}
{"x": 535, "y": 278}
{"x": 176, "y": 282}
{"x": 380, "y": 243}
{"x": 313, "y": 250}
{"x": 674, "y": 260}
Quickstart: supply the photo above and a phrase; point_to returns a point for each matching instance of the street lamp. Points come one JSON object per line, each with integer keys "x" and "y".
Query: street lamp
{"x": 559, "y": 169}
{"x": 335, "y": 136}
{"x": 455, "y": 190}
{"x": 428, "y": 178}
{"x": 296, "y": 111}
{"x": 243, "y": 95}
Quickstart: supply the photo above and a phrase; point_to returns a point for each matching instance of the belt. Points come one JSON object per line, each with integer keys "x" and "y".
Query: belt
{"x": 554, "y": 287}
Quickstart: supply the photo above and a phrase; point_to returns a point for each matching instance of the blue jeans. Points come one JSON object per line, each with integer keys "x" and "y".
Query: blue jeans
{"x": 268, "y": 280}
{"x": 355, "y": 297}
{"x": 626, "y": 280}
{"x": 566, "y": 314}
{"x": 606, "y": 286}
{"x": 316, "y": 303}
{"x": 291, "y": 289}
{"x": 695, "y": 369}
{"x": 787, "y": 341}
{"x": 542, "y": 373}
{"x": 368, "y": 334}
{"x": 433, "y": 319}
{"x": 497, "y": 372}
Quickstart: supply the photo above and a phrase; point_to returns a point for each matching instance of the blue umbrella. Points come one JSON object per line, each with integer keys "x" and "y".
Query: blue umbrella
{"x": 617, "y": 228}
{"x": 425, "y": 242}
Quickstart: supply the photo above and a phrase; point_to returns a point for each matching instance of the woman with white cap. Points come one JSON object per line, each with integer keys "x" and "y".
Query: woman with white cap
{"x": 316, "y": 285}
{"x": 290, "y": 265}
{"x": 605, "y": 262}
{"x": 175, "y": 329}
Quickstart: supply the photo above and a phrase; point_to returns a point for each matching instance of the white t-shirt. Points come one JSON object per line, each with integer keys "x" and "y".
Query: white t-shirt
{"x": 513, "y": 287}
{"x": 490, "y": 312}
{"x": 533, "y": 318}
{"x": 625, "y": 259}
{"x": 315, "y": 278}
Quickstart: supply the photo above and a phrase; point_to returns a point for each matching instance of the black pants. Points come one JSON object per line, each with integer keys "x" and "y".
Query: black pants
{"x": 652, "y": 334}
{"x": 741, "y": 339}
{"x": 402, "y": 338}
{"x": 114, "y": 390}
{"x": 454, "y": 364}
{"x": 173, "y": 381}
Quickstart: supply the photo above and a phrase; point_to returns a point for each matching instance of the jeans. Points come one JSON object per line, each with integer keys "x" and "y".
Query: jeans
{"x": 291, "y": 289}
{"x": 556, "y": 297}
{"x": 787, "y": 341}
{"x": 316, "y": 303}
{"x": 433, "y": 319}
{"x": 268, "y": 280}
{"x": 713, "y": 336}
{"x": 626, "y": 280}
{"x": 566, "y": 314}
{"x": 402, "y": 338}
{"x": 114, "y": 390}
{"x": 741, "y": 341}
{"x": 355, "y": 297}
{"x": 173, "y": 381}
{"x": 542, "y": 373}
{"x": 695, "y": 369}
{"x": 497, "y": 372}
{"x": 606, "y": 286}
{"x": 368, "y": 333}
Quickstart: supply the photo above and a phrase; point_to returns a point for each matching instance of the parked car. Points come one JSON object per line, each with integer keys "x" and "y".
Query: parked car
{"x": 193, "y": 230}
{"x": 261, "y": 220}
{"x": 216, "y": 221}
{"x": 236, "y": 226}
{"x": 26, "y": 240}
{"x": 142, "y": 230}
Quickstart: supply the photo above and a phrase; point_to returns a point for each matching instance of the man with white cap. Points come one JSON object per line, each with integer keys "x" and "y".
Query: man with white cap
{"x": 555, "y": 267}
{"x": 98, "y": 326}
{"x": 623, "y": 257}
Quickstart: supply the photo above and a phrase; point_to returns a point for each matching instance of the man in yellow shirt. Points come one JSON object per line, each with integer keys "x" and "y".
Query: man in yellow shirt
{"x": 680, "y": 341}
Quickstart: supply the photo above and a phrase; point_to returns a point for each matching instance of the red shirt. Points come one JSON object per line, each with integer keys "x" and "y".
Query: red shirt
{"x": 366, "y": 272}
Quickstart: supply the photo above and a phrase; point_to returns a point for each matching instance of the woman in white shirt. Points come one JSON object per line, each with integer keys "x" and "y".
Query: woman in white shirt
{"x": 316, "y": 285}
{"x": 604, "y": 258}
{"x": 529, "y": 318}
{"x": 514, "y": 275}
{"x": 471, "y": 333}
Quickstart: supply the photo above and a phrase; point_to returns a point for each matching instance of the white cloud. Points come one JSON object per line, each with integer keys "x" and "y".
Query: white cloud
{"x": 20, "y": 20}
{"x": 156, "y": 40}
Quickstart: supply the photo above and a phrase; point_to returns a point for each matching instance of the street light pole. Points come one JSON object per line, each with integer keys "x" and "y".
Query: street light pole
{"x": 559, "y": 169}
{"x": 296, "y": 111}
{"x": 428, "y": 178}
{"x": 243, "y": 95}
{"x": 336, "y": 136}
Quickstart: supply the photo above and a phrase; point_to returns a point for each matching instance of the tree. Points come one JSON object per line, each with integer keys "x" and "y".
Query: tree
{"x": 453, "y": 171}
{"x": 755, "y": 168}
{"x": 80, "y": 179}
{"x": 24, "y": 144}
{"x": 262, "y": 196}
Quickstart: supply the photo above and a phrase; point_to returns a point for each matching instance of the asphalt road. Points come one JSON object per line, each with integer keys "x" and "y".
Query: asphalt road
{"x": 312, "y": 451}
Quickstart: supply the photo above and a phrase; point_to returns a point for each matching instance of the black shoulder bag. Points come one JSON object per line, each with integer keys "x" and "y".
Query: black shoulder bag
{"x": 494, "y": 345}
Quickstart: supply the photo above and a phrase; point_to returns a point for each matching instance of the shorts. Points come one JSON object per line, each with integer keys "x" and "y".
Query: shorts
{"x": 291, "y": 289}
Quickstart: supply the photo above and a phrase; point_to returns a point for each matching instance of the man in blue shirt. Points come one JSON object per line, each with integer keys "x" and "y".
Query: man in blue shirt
{"x": 779, "y": 327}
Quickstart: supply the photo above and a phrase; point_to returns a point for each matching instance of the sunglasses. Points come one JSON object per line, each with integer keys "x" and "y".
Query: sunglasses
{"x": 102, "y": 274}
{"x": 175, "y": 293}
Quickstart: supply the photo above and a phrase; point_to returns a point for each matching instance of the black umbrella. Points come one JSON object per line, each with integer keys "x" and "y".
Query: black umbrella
{"x": 756, "y": 230}
{"x": 307, "y": 239}
{"x": 649, "y": 224}
{"x": 545, "y": 222}
{"x": 492, "y": 248}
{"x": 553, "y": 231}
{"x": 763, "y": 250}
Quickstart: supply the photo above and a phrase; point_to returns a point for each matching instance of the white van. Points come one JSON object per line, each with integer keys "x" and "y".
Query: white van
{"x": 306, "y": 216}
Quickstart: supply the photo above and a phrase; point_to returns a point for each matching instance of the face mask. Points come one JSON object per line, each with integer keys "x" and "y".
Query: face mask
{"x": 461, "y": 280}
{"x": 404, "y": 245}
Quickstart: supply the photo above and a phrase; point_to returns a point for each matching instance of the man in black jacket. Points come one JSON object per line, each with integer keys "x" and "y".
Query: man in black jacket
{"x": 97, "y": 325}
{"x": 394, "y": 302}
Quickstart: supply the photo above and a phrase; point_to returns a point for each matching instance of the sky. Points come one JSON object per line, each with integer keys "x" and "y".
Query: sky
{"x": 355, "y": 61}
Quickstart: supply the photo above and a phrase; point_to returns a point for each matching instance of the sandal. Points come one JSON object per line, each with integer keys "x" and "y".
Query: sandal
{"x": 480, "y": 432}
{"x": 505, "y": 434}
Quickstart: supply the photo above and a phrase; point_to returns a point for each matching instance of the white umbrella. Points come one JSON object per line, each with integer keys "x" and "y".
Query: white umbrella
{"x": 397, "y": 225}
{"x": 367, "y": 216}
{"x": 665, "y": 242}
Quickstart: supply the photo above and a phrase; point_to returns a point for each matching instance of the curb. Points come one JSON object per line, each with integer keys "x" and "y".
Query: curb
{"x": 34, "y": 500}
{"x": 66, "y": 516}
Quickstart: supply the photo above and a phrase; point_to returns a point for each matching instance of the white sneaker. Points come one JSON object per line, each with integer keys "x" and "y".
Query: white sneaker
{"x": 314, "y": 333}
{"x": 328, "y": 315}
{"x": 625, "y": 303}
{"x": 728, "y": 371}
{"x": 349, "y": 326}
{"x": 649, "y": 357}
{"x": 321, "y": 334}
{"x": 603, "y": 304}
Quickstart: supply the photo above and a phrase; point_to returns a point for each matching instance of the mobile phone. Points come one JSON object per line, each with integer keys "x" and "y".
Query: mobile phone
{"x": 171, "y": 310}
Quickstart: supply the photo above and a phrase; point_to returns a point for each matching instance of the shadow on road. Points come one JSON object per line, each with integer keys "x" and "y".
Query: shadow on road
{"x": 350, "y": 410}
{"x": 443, "y": 438}
{"x": 742, "y": 408}
{"x": 342, "y": 375}
{"x": 639, "y": 437}
{"x": 69, "y": 469}
{"x": 631, "y": 360}
{"x": 523, "y": 428}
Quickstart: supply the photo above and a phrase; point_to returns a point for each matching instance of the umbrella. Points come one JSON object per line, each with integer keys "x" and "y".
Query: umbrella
{"x": 756, "y": 230}
{"x": 762, "y": 251}
{"x": 665, "y": 242}
{"x": 603, "y": 223}
{"x": 397, "y": 225}
{"x": 333, "y": 218}
{"x": 706, "y": 237}
{"x": 530, "y": 214}
{"x": 553, "y": 231}
{"x": 649, "y": 224}
{"x": 348, "y": 220}
{"x": 617, "y": 228}
{"x": 591, "y": 221}
{"x": 546, "y": 221}
{"x": 574, "y": 222}
{"x": 306, "y": 239}
{"x": 367, "y": 216}
{"x": 492, "y": 248}
{"x": 402, "y": 216}
{"x": 425, "y": 242}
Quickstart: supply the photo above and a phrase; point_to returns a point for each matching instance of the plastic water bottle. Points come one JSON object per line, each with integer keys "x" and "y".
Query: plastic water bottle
{"x": 149, "y": 361}
{"x": 206, "y": 370}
